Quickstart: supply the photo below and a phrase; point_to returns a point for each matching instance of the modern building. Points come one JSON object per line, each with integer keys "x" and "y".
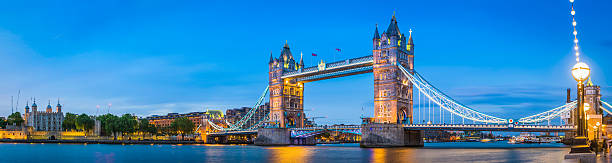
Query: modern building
{"x": 196, "y": 117}
{"x": 44, "y": 120}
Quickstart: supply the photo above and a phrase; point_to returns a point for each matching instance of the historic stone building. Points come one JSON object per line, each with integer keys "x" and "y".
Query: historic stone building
{"x": 392, "y": 90}
{"x": 592, "y": 98}
{"x": 44, "y": 120}
{"x": 286, "y": 96}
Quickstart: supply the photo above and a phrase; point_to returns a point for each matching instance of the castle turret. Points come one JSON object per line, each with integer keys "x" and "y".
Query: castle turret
{"x": 58, "y": 107}
{"x": 27, "y": 108}
{"x": 34, "y": 107}
{"x": 49, "y": 108}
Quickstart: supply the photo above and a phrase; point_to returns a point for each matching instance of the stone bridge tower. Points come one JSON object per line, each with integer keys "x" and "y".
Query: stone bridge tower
{"x": 392, "y": 90}
{"x": 286, "y": 95}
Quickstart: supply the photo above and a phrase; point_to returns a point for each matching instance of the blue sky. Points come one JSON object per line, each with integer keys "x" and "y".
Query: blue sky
{"x": 506, "y": 58}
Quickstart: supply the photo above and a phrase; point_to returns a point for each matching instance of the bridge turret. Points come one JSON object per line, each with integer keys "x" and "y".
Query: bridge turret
{"x": 286, "y": 102}
{"x": 410, "y": 44}
{"x": 301, "y": 65}
{"x": 376, "y": 39}
{"x": 393, "y": 94}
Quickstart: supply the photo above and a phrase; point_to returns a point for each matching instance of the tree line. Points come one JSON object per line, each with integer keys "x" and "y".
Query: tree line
{"x": 112, "y": 125}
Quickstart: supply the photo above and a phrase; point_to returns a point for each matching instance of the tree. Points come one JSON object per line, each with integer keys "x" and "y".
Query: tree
{"x": 145, "y": 127}
{"x": 183, "y": 126}
{"x": 84, "y": 122}
{"x": 69, "y": 122}
{"x": 110, "y": 124}
{"x": 15, "y": 119}
{"x": 127, "y": 124}
{"x": 3, "y": 123}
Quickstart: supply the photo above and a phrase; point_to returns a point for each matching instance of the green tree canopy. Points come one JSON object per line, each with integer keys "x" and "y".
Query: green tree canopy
{"x": 127, "y": 123}
{"x": 144, "y": 126}
{"x": 84, "y": 122}
{"x": 109, "y": 124}
{"x": 3, "y": 123}
{"x": 15, "y": 118}
{"x": 69, "y": 122}
{"x": 183, "y": 126}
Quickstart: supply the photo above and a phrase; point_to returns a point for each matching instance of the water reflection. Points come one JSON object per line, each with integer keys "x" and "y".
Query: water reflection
{"x": 289, "y": 154}
{"x": 381, "y": 155}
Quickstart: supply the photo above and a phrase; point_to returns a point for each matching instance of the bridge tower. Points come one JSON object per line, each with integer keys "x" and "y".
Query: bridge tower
{"x": 594, "y": 115}
{"x": 392, "y": 90}
{"x": 286, "y": 95}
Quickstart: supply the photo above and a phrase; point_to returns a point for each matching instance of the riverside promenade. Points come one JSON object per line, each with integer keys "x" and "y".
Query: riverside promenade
{"x": 101, "y": 141}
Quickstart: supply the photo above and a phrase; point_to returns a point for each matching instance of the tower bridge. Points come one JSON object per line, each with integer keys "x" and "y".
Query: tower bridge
{"x": 402, "y": 96}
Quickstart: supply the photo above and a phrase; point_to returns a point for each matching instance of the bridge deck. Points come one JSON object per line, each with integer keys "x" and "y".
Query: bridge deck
{"x": 440, "y": 127}
{"x": 333, "y": 70}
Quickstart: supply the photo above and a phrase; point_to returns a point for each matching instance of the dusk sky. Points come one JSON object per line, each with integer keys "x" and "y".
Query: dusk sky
{"x": 506, "y": 58}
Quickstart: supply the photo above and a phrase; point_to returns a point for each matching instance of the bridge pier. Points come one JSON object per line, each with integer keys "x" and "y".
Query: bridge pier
{"x": 376, "y": 135}
{"x": 304, "y": 141}
{"x": 273, "y": 137}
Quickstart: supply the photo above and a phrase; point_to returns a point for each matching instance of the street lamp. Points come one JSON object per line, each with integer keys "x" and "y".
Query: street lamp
{"x": 581, "y": 72}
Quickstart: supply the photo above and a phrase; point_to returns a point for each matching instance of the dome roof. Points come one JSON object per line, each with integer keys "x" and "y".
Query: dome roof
{"x": 49, "y": 106}
{"x": 58, "y": 105}
{"x": 34, "y": 104}
{"x": 27, "y": 107}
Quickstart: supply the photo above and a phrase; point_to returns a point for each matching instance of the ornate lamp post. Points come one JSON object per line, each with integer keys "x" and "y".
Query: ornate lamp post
{"x": 581, "y": 72}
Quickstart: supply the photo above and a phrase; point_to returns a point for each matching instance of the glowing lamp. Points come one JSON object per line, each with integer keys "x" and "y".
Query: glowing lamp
{"x": 597, "y": 123}
{"x": 581, "y": 71}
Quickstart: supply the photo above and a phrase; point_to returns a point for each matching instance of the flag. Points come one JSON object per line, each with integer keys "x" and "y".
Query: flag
{"x": 313, "y": 54}
{"x": 338, "y": 49}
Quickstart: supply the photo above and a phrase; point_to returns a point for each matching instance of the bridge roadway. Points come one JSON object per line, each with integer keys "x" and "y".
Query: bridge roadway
{"x": 333, "y": 70}
{"x": 356, "y": 129}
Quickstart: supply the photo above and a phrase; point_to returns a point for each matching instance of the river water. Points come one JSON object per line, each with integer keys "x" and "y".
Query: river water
{"x": 432, "y": 152}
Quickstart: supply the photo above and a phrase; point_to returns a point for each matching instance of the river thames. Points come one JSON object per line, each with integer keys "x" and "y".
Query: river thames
{"x": 432, "y": 152}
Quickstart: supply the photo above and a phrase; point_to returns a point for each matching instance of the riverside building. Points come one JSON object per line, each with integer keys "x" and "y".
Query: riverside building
{"x": 44, "y": 120}
{"x": 196, "y": 117}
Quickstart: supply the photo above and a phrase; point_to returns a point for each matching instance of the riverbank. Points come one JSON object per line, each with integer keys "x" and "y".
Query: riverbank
{"x": 101, "y": 141}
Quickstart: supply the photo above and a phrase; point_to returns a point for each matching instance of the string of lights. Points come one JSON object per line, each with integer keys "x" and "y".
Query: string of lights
{"x": 573, "y": 13}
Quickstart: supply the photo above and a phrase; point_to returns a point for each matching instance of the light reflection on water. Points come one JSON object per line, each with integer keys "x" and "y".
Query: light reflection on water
{"x": 438, "y": 152}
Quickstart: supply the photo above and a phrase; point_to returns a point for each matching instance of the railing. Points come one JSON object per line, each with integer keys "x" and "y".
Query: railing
{"x": 332, "y": 65}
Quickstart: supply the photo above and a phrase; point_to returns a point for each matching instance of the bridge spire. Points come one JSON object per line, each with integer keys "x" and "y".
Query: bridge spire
{"x": 410, "y": 37}
{"x": 376, "y": 35}
{"x": 271, "y": 57}
{"x": 393, "y": 29}
{"x": 301, "y": 66}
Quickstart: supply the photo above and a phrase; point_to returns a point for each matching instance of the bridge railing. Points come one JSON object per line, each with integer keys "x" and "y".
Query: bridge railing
{"x": 332, "y": 65}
